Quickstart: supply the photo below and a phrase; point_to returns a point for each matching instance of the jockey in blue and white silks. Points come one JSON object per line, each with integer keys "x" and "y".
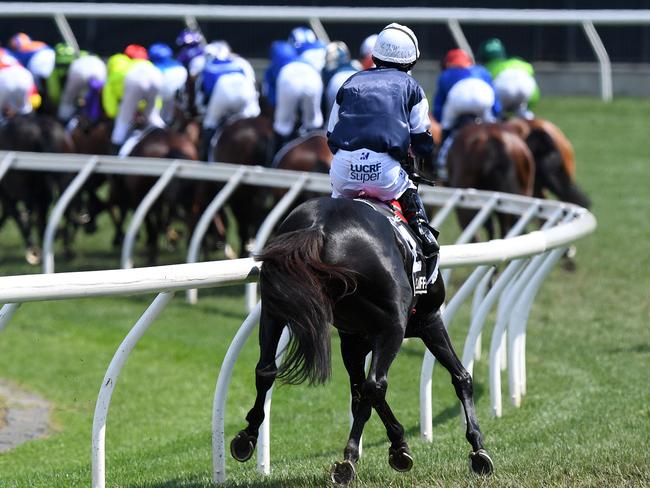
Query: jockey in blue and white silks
{"x": 339, "y": 66}
{"x": 299, "y": 87}
{"x": 282, "y": 53}
{"x": 378, "y": 116}
{"x": 464, "y": 88}
{"x": 225, "y": 91}
{"x": 174, "y": 78}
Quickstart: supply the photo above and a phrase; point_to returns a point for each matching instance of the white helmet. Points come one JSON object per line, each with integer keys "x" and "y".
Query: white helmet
{"x": 396, "y": 44}
{"x": 219, "y": 50}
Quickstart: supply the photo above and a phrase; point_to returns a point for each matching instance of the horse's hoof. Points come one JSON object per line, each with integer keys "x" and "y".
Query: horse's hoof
{"x": 481, "y": 463}
{"x": 400, "y": 459}
{"x": 242, "y": 446}
{"x": 343, "y": 473}
{"x": 33, "y": 256}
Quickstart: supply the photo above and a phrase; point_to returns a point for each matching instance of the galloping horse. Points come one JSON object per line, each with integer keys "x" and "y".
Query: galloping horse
{"x": 554, "y": 160}
{"x": 177, "y": 201}
{"x": 31, "y": 190}
{"x": 490, "y": 157}
{"x": 250, "y": 141}
{"x": 337, "y": 261}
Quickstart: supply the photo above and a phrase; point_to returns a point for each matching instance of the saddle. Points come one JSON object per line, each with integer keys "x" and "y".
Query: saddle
{"x": 293, "y": 143}
{"x": 408, "y": 243}
{"x": 134, "y": 137}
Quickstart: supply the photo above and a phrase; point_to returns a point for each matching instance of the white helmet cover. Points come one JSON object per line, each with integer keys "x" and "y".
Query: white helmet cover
{"x": 396, "y": 44}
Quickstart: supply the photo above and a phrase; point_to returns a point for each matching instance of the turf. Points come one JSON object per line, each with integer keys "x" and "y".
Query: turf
{"x": 585, "y": 420}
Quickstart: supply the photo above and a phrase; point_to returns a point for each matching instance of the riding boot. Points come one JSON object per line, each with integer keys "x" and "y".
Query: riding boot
{"x": 207, "y": 133}
{"x": 115, "y": 149}
{"x": 441, "y": 157}
{"x": 416, "y": 216}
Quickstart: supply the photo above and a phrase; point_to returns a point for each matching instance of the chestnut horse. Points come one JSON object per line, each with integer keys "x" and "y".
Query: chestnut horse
{"x": 250, "y": 142}
{"x": 494, "y": 158}
{"x": 554, "y": 160}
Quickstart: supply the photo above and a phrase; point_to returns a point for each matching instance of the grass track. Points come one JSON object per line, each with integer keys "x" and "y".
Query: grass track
{"x": 584, "y": 422}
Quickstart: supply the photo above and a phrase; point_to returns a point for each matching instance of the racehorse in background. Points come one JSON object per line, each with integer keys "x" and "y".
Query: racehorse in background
{"x": 178, "y": 200}
{"x": 250, "y": 141}
{"x": 554, "y": 160}
{"x": 25, "y": 195}
{"x": 493, "y": 158}
{"x": 338, "y": 261}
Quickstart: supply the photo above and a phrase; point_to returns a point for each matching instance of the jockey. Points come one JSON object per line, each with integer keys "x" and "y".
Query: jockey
{"x": 464, "y": 89}
{"x": 133, "y": 82}
{"x": 282, "y": 53}
{"x": 190, "y": 43}
{"x": 225, "y": 91}
{"x": 378, "y": 116}
{"x": 174, "y": 77}
{"x": 36, "y": 56}
{"x": 366, "y": 52}
{"x": 338, "y": 68}
{"x": 514, "y": 78}
{"x": 299, "y": 87}
{"x": 71, "y": 78}
{"x": 18, "y": 94}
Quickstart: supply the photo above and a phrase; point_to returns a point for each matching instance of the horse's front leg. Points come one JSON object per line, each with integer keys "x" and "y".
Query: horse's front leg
{"x": 354, "y": 349}
{"x": 243, "y": 445}
{"x": 431, "y": 330}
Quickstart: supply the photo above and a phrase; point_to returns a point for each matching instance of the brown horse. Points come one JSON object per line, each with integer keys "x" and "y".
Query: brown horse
{"x": 25, "y": 195}
{"x": 554, "y": 160}
{"x": 250, "y": 141}
{"x": 490, "y": 157}
{"x": 177, "y": 202}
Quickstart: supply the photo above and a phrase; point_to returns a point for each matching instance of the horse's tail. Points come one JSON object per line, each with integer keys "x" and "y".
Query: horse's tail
{"x": 299, "y": 289}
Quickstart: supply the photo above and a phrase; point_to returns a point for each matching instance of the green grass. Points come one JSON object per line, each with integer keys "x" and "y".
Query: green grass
{"x": 584, "y": 422}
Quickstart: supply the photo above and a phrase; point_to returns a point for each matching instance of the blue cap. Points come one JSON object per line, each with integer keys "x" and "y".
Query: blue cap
{"x": 159, "y": 52}
{"x": 303, "y": 38}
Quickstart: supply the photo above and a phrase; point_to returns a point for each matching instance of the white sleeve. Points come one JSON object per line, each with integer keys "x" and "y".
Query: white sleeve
{"x": 196, "y": 65}
{"x": 419, "y": 117}
{"x": 334, "y": 117}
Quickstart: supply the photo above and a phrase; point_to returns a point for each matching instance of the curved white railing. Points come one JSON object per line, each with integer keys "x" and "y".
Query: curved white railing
{"x": 514, "y": 290}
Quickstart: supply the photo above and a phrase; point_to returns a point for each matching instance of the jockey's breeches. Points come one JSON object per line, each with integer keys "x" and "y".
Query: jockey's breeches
{"x": 468, "y": 96}
{"x": 16, "y": 84}
{"x": 233, "y": 96}
{"x": 365, "y": 172}
{"x": 141, "y": 84}
{"x": 80, "y": 73}
{"x": 299, "y": 86}
{"x": 514, "y": 88}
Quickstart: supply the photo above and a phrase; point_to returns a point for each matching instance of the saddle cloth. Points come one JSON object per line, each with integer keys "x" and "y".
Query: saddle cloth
{"x": 409, "y": 243}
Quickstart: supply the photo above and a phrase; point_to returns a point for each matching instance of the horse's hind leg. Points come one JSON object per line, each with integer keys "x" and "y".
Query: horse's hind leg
{"x": 432, "y": 331}
{"x": 384, "y": 351}
{"x": 354, "y": 349}
{"x": 243, "y": 445}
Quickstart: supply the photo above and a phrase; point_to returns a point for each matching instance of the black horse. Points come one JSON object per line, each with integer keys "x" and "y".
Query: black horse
{"x": 337, "y": 261}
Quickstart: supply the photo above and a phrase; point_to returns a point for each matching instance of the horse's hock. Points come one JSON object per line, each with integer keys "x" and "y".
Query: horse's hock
{"x": 525, "y": 258}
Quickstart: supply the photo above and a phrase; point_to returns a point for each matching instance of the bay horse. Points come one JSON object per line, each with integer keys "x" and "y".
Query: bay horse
{"x": 554, "y": 160}
{"x": 494, "y": 158}
{"x": 26, "y": 195}
{"x": 337, "y": 261}
{"x": 250, "y": 141}
{"x": 178, "y": 200}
